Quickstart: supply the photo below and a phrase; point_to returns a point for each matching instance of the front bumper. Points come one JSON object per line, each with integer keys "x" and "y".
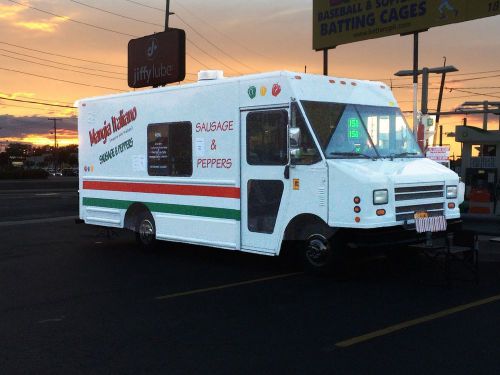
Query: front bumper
{"x": 391, "y": 236}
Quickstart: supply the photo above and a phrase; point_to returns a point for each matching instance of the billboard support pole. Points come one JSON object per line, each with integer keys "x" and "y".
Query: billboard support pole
{"x": 167, "y": 14}
{"x": 325, "y": 62}
{"x": 415, "y": 82}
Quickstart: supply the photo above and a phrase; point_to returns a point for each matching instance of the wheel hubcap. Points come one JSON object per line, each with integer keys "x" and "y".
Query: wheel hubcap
{"x": 146, "y": 231}
{"x": 317, "y": 250}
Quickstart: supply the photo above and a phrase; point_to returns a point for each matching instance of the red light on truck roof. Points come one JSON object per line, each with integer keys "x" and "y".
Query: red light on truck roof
{"x": 342, "y": 82}
{"x": 332, "y": 81}
{"x": 354, "y": 83}
{"x": 298, "y": 77}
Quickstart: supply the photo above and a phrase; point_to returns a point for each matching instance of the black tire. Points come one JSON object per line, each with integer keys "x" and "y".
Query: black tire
{"x": 145, "y": 231}
{"x": 322, "y": 253}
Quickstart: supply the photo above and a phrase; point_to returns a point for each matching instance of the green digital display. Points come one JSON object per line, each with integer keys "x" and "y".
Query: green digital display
{"x": 354, "y": 134}
{"x": 353, "y": 123}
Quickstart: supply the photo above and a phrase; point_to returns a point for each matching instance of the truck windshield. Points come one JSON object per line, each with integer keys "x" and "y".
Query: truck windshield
{"x": 361, "y": 131}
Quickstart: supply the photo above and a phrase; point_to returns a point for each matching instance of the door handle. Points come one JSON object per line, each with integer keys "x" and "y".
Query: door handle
{"x": 287, "y": 172}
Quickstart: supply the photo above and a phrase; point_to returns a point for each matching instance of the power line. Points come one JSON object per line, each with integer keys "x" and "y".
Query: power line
{"x": 214, "y": 45}
{"x": 479, "y": 94}
{"x": 473, "y": 79}
{"x": 60, "y": 63}
{"x": 62, "y": 80}
{"x": 455, "y": 97}
{"x": 31, "y": 98}
{"x": 66, "y": 57}
{"x": 154, "y": 24}
{"x": 435, "y": 77}
{"x": 39, "y": 103}
{"x": 93, "y": 26}
{"x": 200, "y": 34}
{"x": 72, "y": 19}
{"x": 116, "y": 14}
{"x": 144, "y": 5}
{"x": 474, "y": 73}
{"x": 205, "y": 22}
{"x": 58, "y": 67}
{"x": 26, "y": 107}
{"x": 220, "y": 32}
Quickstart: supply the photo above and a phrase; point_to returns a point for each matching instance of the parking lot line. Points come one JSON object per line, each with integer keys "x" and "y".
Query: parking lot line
{"x": 226, "y": 286}
{"x": 414, "y": 322}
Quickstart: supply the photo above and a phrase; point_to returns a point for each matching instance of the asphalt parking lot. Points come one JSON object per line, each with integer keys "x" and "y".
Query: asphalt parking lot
{"x": 76, "y": 299}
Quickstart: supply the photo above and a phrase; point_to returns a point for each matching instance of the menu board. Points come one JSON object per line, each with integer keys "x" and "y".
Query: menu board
{"x": 158, "y": 150}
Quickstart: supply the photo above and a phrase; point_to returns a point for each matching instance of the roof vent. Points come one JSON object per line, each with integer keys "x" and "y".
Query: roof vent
{"x": 209, "y": 75}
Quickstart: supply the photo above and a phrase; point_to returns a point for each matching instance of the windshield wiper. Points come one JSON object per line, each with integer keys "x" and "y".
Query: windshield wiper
{"x": 403, "y": 154}
{"x": 351, "y": 154}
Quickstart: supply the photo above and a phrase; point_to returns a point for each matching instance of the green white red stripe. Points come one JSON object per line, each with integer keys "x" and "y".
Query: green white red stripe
{"x": 171, "y": 189}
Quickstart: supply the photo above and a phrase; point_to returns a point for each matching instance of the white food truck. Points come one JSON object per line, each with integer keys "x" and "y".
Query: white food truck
{"x": 250, "y": 163}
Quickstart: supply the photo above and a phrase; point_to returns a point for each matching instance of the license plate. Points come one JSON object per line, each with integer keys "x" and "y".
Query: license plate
{"x": 421, "y": 215}
{"x": 430, "y": 224}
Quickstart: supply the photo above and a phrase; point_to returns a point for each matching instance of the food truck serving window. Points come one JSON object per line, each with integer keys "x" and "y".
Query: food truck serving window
{"x": 170, "y": 149}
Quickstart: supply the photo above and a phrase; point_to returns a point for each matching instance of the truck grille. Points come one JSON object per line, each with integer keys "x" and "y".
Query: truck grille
{"x": 419, "y": 192}
{"x": 408, "y": 212}
{"x": 412, "y": 193}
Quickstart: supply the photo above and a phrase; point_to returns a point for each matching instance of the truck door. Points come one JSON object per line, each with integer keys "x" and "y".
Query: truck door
{"x": 264, "y": 156}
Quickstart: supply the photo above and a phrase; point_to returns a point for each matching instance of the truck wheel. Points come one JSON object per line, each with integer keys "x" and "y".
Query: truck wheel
{"x": 321, "y": 255}
{"x": 145, "y": 231}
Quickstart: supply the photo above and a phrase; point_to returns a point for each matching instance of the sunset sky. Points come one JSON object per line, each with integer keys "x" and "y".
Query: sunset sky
{"x": 58, "y": 51}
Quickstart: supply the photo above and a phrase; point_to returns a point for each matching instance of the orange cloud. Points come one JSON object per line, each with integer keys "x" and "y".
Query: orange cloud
{"x": 49, "y": 26}
{"x": 64, "y": 138}
{"x": 10, "y": 11}
{"x": 13, "y": 12}
{"x": 16, "y": 95}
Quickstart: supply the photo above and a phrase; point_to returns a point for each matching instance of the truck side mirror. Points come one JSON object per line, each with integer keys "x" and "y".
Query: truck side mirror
{"x": 295, "y": 139}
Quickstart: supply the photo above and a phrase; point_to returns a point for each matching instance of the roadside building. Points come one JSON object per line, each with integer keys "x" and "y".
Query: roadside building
{"x": 480, "y": 168}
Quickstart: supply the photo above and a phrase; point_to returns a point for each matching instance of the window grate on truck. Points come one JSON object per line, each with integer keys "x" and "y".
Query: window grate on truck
{"x": 407, "y": 193}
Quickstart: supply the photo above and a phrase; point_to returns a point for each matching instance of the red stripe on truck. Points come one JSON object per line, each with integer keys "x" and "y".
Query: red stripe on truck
{"x": 140, "y": 187}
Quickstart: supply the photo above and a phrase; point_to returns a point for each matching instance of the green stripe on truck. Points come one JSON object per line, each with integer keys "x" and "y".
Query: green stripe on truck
{"x": 219, "y": 213}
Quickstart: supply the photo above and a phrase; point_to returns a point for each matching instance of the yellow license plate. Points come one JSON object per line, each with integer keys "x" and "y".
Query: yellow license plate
{"x": 421, "y": 215}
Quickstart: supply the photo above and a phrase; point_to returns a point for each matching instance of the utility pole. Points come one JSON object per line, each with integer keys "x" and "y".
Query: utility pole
{"x": 415, "y": 82}
{"x": 441, "y": 89}
{"x": 425, "y": 89}
{"x": 325, "y": 62}
{"x": 55, "y": 140}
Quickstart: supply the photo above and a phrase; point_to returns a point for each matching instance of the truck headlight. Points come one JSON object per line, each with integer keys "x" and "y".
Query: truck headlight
{"x": 380, "y": 197}
{"x": 451, "y": 192}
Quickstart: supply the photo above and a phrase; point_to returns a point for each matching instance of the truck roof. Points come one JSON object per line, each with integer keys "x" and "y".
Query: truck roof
{"x": 305, "y": 86}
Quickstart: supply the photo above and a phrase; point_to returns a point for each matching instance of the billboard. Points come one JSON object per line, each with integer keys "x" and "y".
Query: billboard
{"x": 337, "y": 22}
{"x": 157, "y": 59}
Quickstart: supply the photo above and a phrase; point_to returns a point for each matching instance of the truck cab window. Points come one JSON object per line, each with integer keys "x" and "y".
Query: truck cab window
{"x": 266, "y": 138}
{"x": 305, "y": 152}
{"x": 170, "y": 149}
